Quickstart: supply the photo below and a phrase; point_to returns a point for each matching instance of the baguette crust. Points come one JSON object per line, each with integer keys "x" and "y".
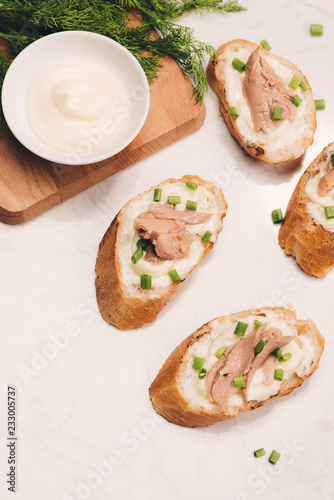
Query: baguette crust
{"x": 216, "y": 80}
{"x": 116, "y": 307}
{"x": 165, "y": 391}
{"x": 302, "y": 236}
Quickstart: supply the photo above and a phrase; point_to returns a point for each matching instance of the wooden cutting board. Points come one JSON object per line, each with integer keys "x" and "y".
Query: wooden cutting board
{"x": 30, "y": 185}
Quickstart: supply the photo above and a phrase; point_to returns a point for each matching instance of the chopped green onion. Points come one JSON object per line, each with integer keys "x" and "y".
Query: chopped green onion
{"x": 174, "y": 200}
{"x": 259, "y": 453}
{"x": 239, "y": 65}
{"x": 282, "y": 357}
{"x": 202, "y": 373}
{"x": 296, "y": 100}
{"x": 137, "y": 255}
{"x": 295, "y": 81}
{"x": 278, "y": 374}
{"x": 198, "y": 363}
{"x": 146, "y": 281}
{"x": 259, "y": 346}
{"x": 142, "y": 244}
{"x": 240, "y": 329}
{"x": 265, "y": 45}
{"x": 319, "y": 104}
{"x": 192, "y": 185}
{"x": 191, "y": 205}
{"x": 316, "y": 29}
{"x": 174, "y": 275}
{"x": 303, "y": 86}
{"x": 206, "y": 236}
{"x": 332, "y": 158}
{"x": 277, "y": 216}
{"x": 220, "y": 352}
{"x": 157, "y": 194}
{"x": 277, "y": 114}
{"x": 234, "y": 112}
{"x": 329, "y": 212}
{"x": 239, "y": 381}
{"x": 274, "y": 456}
{"x": 257, "y": 323}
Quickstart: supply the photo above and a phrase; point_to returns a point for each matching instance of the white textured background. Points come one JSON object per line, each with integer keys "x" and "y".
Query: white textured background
{"x": 86, "y": 428}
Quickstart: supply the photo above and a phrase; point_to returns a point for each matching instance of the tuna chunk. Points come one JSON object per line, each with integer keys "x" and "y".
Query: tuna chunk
{"x": 326, "y": 182}
{"x": 187, "y": 216}
{"x": 264, "y": 91}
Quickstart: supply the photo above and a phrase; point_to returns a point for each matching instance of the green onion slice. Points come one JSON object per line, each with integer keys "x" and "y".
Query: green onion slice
{"x": 278, "y": 374}
{"x": 296, "y": 100}
{"x": 174, "y": 275}
{"x": 240, "y": 329}
{"x": 332, "y": 158}
{"x": 329, "y": 212}
{"x": 191, "y": 205}
{"x": 257, "y": 323}
{"x": 316, "y": 29}
{"x": 277, "y": 114}
{"x": 259, "y": 346}
{"x": 239, "y": 65}
{"x": 260, "y": 452}
{"x": 239, "y": 381}
{"x": 303, "y": 86}
{"x": 319, "y": 104}
{"x": 282, "y": 357}
{"x": 142, "y": 244}
{"x": 202, "y": 373}
{"x": 137, "y": 255}
{"x": 145, "y": 281}
{"x": 157, "y": 194}
{"x": 220, "y": 352}
{"x": 277, "y": 216}
{"x": 234, "y": 112}
{"x": 206, "y": 236}
{"x": 174, "y": 200}
{"x": 295, "y": 81}
{"x": 191, "y": 185}
{"x": 274, "y": 456}
{"x": 265, "y": 45}
{"x": 198, "y": 363}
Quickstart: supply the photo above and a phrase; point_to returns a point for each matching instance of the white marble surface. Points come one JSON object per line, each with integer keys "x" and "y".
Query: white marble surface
{"x": 86, "y": 428}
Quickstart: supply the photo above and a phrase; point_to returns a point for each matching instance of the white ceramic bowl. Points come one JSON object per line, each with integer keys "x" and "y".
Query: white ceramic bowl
{"x": 67, "y": 46}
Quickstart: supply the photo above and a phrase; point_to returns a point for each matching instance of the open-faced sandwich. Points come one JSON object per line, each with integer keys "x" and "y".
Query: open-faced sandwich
{"x": 152, "y": 245}
{"x": 307, "y": 232}
{"x": 266, "y": 101}
{"x": 235, "y": 364}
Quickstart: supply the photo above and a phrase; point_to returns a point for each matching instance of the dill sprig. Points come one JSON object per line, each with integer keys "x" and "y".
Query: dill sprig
{"x": 24, "y": 21}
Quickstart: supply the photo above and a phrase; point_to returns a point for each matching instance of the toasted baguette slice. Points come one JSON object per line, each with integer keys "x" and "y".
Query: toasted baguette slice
{"x": 121, "y": 300}
{"x": 288, "y": 140}
{"x": 306, "y": 233}
{"x": 181, "y": 397}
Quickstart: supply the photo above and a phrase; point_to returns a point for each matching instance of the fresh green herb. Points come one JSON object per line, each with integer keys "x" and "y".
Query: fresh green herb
{"x": 198, "y": 363}
{"x": 329, "y": 212}
{"x": 174, "y": 200}
{"x": 219, "y": 353}
{"x": 257, "y": 323}
{"x": 191, "y": 205}
{"x": 157, "y": 194}
{"x": 259, "y": 346}
{"x": 137, "y": 255}
{"x": 316, "y": 29}
{"x": 142, "y": 244}
{"x": 202, "y": 373}
{"x": 240, "y": 329}
{"x": 278, "y": 374}
{"x": 234, "y": 112}
{"x": 239, "y": 381}
{"x": 303, "y": 86}
{"x": 277, "y": 216}
{"x": 174, "y": 275}
{"x": 265, "y": 45}
{"x": 282, "y": 357}
{"x": 239, "y": 65}
{"x": 332, "y": 158}
{"x": 22, "y": 22}
{"x": 295, "y": 81}
{"x": 277, "y": 114}
{"x": 206, "y": 236}
{"x": 296, "y": 100}
{"x": 146, "y": 281}
{"x": 191, "y": 185}
{"x": 259, "y": 453}
{"x": 319, "y": 104}
{"x": 274, "y": 456}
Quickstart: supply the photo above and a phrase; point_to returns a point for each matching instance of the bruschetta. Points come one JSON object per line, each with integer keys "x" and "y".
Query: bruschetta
{"x": 152, "y": 245}
{"x": 235, "y": 364}
{"x": 265, "y": 100}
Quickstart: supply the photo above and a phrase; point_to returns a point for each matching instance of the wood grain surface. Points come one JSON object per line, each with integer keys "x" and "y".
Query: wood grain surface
{"x": 30, "y": 185}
